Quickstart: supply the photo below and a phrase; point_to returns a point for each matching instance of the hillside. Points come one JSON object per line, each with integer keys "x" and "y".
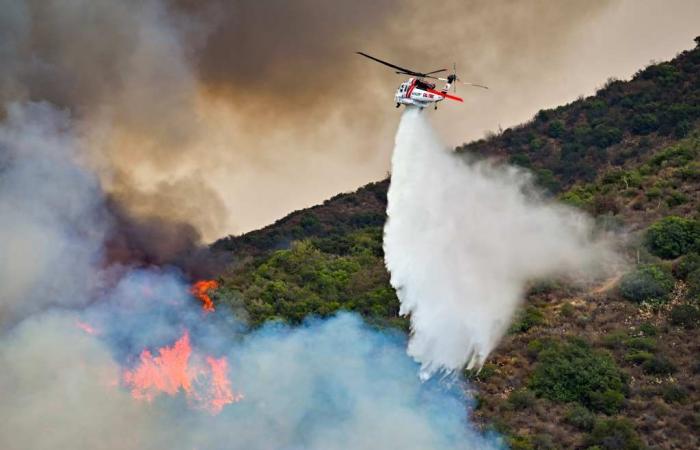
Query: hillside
{"x": 613, "y": 366}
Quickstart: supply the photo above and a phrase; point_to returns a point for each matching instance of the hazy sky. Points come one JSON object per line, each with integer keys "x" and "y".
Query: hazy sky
{"x": 230, "y": 114}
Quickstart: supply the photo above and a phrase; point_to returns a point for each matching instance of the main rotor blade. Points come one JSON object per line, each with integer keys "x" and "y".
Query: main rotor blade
{"x": 436, "y": 71}
{"x": 476, "y": 85}
{"x": 402, "y": 69}
{"x": 420, "y": 75}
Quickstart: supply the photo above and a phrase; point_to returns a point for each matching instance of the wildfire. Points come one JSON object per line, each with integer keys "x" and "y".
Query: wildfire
{"x": 201, "y": 291}
{"x": 204, "y": 381}
{"x": 86, "y": 327}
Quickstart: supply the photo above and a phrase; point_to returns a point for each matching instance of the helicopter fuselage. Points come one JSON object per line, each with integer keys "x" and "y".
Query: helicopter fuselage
{"x": 416, "y": 92}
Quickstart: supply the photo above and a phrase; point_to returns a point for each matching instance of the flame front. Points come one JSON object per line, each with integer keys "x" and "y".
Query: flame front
{"x": 176, "y": 368}
{"x": 201, "y": 291}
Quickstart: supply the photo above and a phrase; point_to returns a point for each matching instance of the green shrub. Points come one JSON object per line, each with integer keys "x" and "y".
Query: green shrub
{"x": 676, "y": 198}
{"x": 543, "y": 441}
{"x": 644, "y": 123}
{"x": 310, "y": 223}
{"x": 642, "y": 343}
{"x": 648, "y": 329}
{"x": 603, "y": 136}
{"x": 608, "y": 402}
{"x": 647, "y": 283}
{"x": 484, "y": 373}
{"x": 652, "y": 193}
{"x": 556, "y": 129}
{"x": 639, "y": 356}
{"x": 693, "y": 280}
{"x": 579, "y": 196}
{"x": 529, "y": 318}
{"x": 673, "y": 236}
{"x": 516, "y": 442}
{"x": 520, "y": 159}
{"x": 614, "y": 434}
{"x": 545, "y": 286}
{"x": 521, "y": 399}
{"x": 677, "y": 155}
{"x": 658, "y": 365}
{"x": 580, "y": 417}
{"x": 686, "y": 265}
{"x": 317, "y": 278}
{"x": 674, "y": 393}
{"x": 535, "y": 346}
{"x": 573, "y": 371}
{"x": 567, "y": 310}
{"x": 615, "y": 339}
{"x": 543, "y": 115}
{"x": 686, "y": 316}
{"x": 545, "y": 178}
{"x": 690, "y": 172}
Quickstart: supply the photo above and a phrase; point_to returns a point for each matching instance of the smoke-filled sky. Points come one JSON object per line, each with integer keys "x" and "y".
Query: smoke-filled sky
{"x": 228, "y": 114}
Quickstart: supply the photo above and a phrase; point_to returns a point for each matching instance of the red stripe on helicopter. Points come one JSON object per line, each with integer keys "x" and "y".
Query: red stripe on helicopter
{"x": 410, "y": 89}
{"x": 445, "y": 95}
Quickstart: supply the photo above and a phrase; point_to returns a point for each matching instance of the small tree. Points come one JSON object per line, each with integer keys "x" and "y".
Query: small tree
{"x": 574, "y": 372}
{"x": 673, "y": 236}
{"x": 659, "y": 365}
{"x": 647, "y": 283}
{"x": 686, "y": 316}
{"x": 693, "y": 280}
{"x": 580, "y": 417}
{"x": 688, "y": 264}
{"x": 614, "y": 434}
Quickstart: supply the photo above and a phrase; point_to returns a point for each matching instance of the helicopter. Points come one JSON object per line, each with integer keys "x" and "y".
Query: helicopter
{"x": 416, "y": 91}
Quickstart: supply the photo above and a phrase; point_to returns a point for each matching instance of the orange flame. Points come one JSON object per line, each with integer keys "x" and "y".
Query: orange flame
{"x": 174, "y": 369}
{"x": 86, "y": 327}
{"x": 201, "y": 291}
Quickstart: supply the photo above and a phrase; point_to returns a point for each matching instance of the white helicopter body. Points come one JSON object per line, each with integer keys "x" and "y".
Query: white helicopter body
{"x": 416, "y": 91}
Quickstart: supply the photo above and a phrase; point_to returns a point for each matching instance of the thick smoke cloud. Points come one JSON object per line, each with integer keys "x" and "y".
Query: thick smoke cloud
{"x": 60, "y": 391}
{"x": 122, "y": 71}
{"x": 51, "y": 218}
{"x": 331, "y": 385}
{"x": 205, "y": 112}
{"x": 462, "y": 240}
{"x": 75, "y": 323}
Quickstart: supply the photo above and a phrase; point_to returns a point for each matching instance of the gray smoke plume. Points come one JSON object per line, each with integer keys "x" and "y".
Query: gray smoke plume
{"x": 462, "y": 240}
{"x": 51, "y": 221}
{"x": 74, "y": 323}
{"x": 331, "y": 385}
{"x": 177, "y": 96}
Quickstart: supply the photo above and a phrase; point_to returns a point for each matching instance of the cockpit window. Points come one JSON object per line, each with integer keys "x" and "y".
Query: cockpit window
{"x": 423, "y": 85}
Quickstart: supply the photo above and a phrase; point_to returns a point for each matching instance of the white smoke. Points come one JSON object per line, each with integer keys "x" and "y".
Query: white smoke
{"x": 462, "y": 240}
{"x": 51, "y": 226}
{"x": 331, "y": 384}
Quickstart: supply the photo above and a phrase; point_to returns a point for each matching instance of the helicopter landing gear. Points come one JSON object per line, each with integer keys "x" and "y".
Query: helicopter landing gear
{"x": 398, "y": 104}
{"x": 435, "y": 107}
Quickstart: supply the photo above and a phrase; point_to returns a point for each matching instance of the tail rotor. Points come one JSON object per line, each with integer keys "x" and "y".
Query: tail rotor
{"x": 453, "y": 78}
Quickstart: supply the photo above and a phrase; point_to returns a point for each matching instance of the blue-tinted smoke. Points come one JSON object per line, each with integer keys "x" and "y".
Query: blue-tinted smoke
{"x": 329, "y": 384}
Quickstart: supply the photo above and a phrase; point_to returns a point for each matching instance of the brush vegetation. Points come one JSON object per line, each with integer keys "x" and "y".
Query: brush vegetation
{"x": 630, "y": 156}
